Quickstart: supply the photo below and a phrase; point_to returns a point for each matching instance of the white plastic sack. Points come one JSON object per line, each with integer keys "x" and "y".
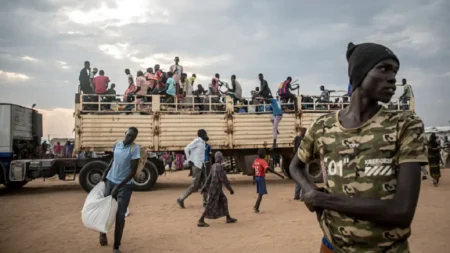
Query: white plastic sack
{"x": 99, "y": 212}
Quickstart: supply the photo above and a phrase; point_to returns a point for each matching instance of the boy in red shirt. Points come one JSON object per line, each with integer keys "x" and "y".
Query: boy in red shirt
{"x": 259, "y": 176}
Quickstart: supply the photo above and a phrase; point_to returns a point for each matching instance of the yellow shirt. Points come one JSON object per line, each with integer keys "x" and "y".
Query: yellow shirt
{"x": 191, "y": 80}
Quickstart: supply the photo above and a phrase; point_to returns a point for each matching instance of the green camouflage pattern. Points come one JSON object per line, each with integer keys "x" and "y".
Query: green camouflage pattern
{"x": 363, "y": 163}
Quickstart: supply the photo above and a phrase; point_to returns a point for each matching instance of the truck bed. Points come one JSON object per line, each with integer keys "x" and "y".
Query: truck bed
{"x": 161, "y": 129}
{"x": 174, "y": 132}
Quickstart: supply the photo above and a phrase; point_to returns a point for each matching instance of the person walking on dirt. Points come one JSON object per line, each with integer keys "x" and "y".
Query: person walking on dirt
{"x": 277, "y": 116}
{"x": 169, "y": 160}
{"x": 265, "y": 91}
{"x": 208, "y": 154}
{"x": 259, "y": 177}
{"x": 434, "y": 159}
{"x": 118, "y": 175}
{"x": 217, "y": 205}
{"x": 297, "y": 140}
{"x": 195, "y": 155}
{"x": 372, "y": 181}
{"x": 445, "y": 151}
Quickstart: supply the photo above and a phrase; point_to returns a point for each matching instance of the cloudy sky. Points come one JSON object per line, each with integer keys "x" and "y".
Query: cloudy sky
{"x": 44, "y": 43}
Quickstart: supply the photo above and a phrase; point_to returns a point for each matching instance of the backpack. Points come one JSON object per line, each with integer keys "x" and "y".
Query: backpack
{"x": 280, "y": 87}
{"x": 143, "y": 156}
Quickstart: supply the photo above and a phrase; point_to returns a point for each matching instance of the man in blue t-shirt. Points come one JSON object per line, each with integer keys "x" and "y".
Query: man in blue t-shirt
{"x": 117, "y": 176}
{"x": 277, "y": 115}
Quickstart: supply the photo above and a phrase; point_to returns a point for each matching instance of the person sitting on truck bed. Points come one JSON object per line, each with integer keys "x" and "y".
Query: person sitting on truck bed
{"x": 235, "y": 91}
{"x": 285, "y": 92}
{"x": 265, "y": 90}
{"x": 214, "y": 85}
{"x": 197, "y": 99}
{"x": 100, "y": 83}
{"x": 141, "y": 87}
{"x": 117, "y": 177}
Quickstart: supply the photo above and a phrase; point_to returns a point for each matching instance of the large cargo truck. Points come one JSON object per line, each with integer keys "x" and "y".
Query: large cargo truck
{"x": 169, "y": 127}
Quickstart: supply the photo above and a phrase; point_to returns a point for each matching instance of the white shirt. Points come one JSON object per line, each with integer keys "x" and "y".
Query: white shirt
{"x": 195, "y": 152}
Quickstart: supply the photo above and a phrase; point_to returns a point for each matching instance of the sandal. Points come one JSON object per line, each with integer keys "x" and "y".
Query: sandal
{"x": 232, "y": 220}
{"x": 202, "y": 224}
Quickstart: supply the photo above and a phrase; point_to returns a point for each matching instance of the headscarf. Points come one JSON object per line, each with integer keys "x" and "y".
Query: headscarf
{"x": 218, "y": 158}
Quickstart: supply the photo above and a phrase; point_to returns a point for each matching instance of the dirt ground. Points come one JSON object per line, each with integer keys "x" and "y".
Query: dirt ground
{"x": 45, "y": 217}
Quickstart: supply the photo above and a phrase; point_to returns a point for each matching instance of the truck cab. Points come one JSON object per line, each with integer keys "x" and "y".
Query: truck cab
{"x": 20, "y": 138}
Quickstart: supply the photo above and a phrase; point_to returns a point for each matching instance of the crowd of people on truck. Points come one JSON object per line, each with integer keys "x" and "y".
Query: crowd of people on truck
{"x": 371, "y": 187}
{"x": 175, "y": 85}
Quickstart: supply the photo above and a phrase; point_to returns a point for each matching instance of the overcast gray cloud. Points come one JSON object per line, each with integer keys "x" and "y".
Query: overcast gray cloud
{"x": 45, "y": 42}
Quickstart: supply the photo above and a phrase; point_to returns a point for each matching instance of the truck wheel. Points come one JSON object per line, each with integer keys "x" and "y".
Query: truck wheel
{"x": 91, "y": 174}
{"x": 285, "y": 162}
{"x": 315, "y": 172}
{"x": 146, "y": 179}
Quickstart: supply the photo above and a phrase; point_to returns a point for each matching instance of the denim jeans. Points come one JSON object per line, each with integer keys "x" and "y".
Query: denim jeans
{"x": 123, "y": 200}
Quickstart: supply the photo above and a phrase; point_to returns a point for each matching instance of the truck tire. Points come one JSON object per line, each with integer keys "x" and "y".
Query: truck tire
{"x": 147, "y": 179}
{"x": 285, "y": 162}
{"x": 315, "y": 172}
{"x": 91, "y": 174}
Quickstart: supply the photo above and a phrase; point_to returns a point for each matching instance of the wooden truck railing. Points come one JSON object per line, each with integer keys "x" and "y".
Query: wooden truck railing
{"x": 171, "y": 126}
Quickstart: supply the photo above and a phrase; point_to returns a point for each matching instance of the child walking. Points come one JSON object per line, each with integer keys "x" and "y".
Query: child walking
{"x": 259, "y": 176}
{"x": 217, "y": 205}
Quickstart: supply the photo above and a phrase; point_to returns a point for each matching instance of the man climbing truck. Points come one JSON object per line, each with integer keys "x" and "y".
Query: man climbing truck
{"x": 163, "y": 127}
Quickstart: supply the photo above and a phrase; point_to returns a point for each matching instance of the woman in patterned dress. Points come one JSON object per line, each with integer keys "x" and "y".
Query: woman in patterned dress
{"x": 434, "y": 159}
{"x": 179, "y": 161}
{"x": 217, "y": 205}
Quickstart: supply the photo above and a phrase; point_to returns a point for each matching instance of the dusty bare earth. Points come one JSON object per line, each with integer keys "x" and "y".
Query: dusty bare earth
{"x": 45, "y": 217}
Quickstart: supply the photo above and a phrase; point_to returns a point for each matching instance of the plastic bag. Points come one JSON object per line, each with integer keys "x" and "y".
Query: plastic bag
{"x": 99, "y": 212}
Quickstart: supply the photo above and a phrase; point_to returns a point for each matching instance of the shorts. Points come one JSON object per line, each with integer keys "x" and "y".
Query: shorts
{"x": 261, "y": 185}
{"x": 326, "y": 247}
